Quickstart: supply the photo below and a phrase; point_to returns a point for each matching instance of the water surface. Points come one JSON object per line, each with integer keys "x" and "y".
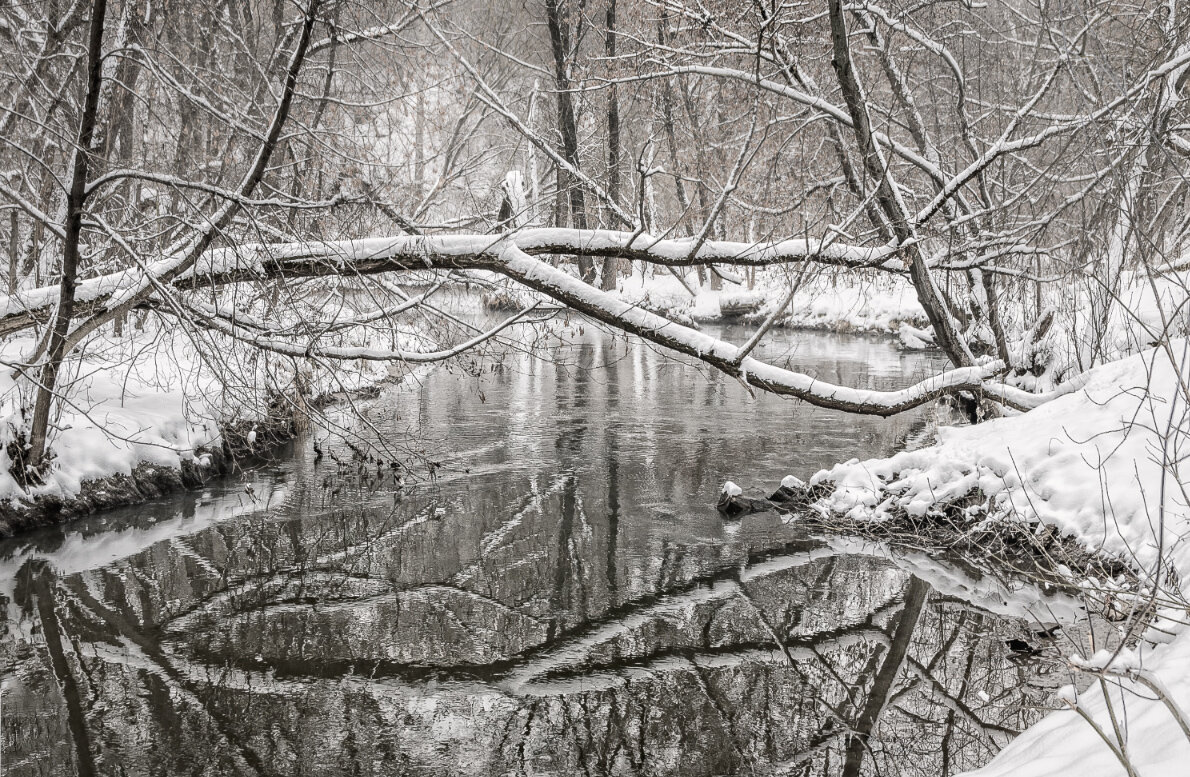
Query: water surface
{"x": 548, "y": 590}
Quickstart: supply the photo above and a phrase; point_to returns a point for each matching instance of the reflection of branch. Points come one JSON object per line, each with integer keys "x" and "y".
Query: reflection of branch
{"x": 725, "y": 717}
{"x": 51, "y": 627}
{"x": 245, "y": 584}
{"x": 786, "y": 767}
{"x": 243, "y": 756}
{"x": 820, "y": 640}
{"x": 451, "y": 588}
{"x": 996, "y": 736}
{"x": 671, "y": 658}
{"x": 963, "y": 688}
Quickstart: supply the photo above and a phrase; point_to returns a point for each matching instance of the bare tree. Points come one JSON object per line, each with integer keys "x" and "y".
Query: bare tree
{"x": 412, "y": 118}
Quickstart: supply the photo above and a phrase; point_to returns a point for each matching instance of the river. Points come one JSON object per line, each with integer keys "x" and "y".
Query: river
{"x": 547, "y": 590}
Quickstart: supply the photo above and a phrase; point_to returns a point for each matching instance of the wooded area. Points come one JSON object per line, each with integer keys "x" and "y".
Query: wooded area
{"x": 214, "y": 166}
{"x": 236, "y": 224}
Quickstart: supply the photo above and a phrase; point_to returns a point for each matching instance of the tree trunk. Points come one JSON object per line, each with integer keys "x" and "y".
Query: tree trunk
{"x": 419, "y": 141}
{"x": 610, "y": 264}
{"x": 887, "y": 197}
{"x": 32, "y": 262}
{"x": 119, "y": 142}
{"x": 14, "y": 247}
{"x": 567, "y": 126}
{"x": 36, "y": 457}
{"x": 700, "y": 145}
{"x": 62, "y": 338}
{"x": 229, "y": 210}
{"x": 671, "y": 142}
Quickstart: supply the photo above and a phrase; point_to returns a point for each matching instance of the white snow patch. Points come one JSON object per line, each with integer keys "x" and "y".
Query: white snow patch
{"x": 1105, "y": 465}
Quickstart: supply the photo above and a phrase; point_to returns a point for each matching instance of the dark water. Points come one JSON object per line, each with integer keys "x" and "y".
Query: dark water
{"x": 559, "y": 598}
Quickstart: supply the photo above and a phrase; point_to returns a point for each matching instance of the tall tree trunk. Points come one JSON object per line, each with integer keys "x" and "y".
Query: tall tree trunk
{"x": 63, "y": 339}
{"x": 567, "y": 125}
{"x": 419, "y": 140}
{"x": 216, "y": 222}
{"x": 36, "y": 457}
{"x": 118, "y": 143}
{"x": 611, "y": 264}
{"x": 888, "y": 198}
{"x": 701, "y": 144}
{"x": 14, "y": 248}
{"x": 531, "y": 162}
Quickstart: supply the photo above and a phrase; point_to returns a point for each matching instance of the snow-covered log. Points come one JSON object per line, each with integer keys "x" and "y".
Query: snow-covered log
{"x": 510, "y": 255}
{"x": 418, "y": 252}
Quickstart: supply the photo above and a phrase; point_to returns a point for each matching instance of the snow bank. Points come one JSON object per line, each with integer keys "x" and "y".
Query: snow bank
{"x": 857, "y": 302}
{"x": 163, "y": 395}
{"x": 1149, "y": 308}
{"x": 1146, "y": 309}
{"x": 1091, "y": 453}
{"x": 1065, "y": 744}
{"x": 852, "y": 302}
{"x": 1101, "y": 465}
{"x": 115, "y": 417}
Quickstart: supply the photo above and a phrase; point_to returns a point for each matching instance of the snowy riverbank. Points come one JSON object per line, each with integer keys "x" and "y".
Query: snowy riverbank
{"x": 877, "y": 302}
{"x": 858, "y": 302}
{"x": 149, "y": 412}
{"x": 1106, "y": 467}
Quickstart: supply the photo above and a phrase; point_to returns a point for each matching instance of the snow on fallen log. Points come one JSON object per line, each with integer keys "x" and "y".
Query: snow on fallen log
{"x": 402, "y": 252}
{"x": 503, "y": 254}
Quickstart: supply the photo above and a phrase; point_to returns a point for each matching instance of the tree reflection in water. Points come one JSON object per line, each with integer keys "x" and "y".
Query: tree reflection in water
{"x": 566, "y": 604}
{"x": 345, "y": 643}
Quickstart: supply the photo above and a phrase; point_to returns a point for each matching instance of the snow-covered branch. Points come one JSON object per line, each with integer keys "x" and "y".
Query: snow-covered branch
{"x": 405, "y": 252}
{"x": 510, "y": 256}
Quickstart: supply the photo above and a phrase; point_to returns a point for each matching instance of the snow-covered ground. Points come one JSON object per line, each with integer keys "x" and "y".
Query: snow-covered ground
{"x": 847, "y": 302}
{"x": 1106, "y": 465}
{"x": 128, "y": 404}
{"x": 159, "y": 396}
{"x": 1145, "y": 309}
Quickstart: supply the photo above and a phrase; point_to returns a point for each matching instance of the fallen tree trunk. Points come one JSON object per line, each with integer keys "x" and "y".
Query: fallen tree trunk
{"x": 369, "y": 256}
{"x": 504, "y": 255}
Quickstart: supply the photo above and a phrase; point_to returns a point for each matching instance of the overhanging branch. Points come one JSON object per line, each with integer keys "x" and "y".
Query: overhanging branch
{"x": 509, "y": 255}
